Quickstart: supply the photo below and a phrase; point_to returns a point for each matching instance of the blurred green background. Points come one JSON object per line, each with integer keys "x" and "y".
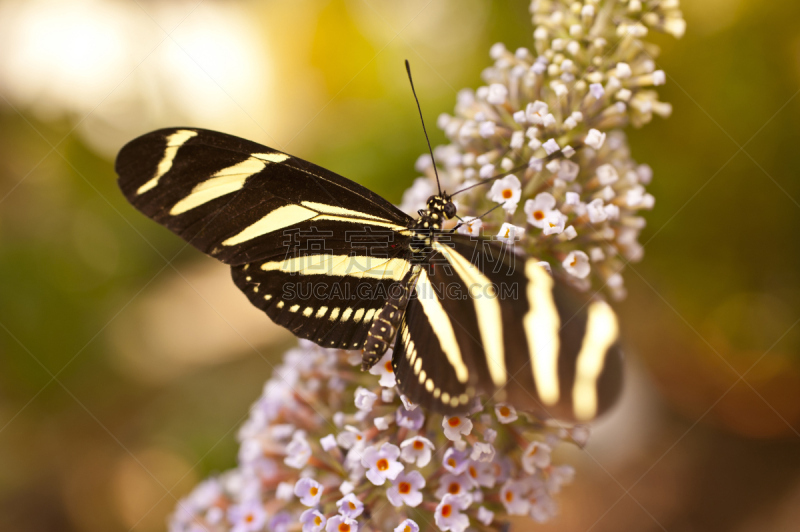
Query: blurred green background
{"x": 127, "y": 361}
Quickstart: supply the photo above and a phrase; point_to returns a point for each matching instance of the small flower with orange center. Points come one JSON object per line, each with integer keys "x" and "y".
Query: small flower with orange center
{"x": 536, "y": 456}
{"x": 506, "y": 191}
{"x": 513, "y": 496}
{"x": 470, "y": 226}
{"x": 309, "y": 491}
{"x": 312, "y": 521}
{"x": 385, "y": 370}
{"x": 538, "y": 208}
{"x": 449, "y": 516}
{"x": 416, "y": 450}
{"x": 382, "y": 463}
{"x": 510, "y": 233}
{"x": 577, "y": 263}
{"x": 505, "y": 413}
{"x": 407, "y": 526}
{"x": 406, "y": 489}
{"x": 350, "y": 506}
{"x": 456, "y": 426}
{"x": 340, "y": 523}
{"x": 455, "y": 484}
{"x": 365, "y": 399}
{"x": 248, "y": 516}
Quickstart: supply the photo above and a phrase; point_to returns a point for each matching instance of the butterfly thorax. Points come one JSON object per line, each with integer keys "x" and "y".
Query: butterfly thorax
{"x": 439, "y": 208}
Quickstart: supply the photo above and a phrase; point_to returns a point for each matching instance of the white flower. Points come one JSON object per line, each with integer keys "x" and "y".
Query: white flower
{"x": 284, "y": 491}
{"x": 405, "y": 489}
{"x": 551, "y": 146}
{"x": 340, "y": 523}
{"x": 536, "y": 456}
{"x": 596, "y": 211}
{"x": 485, "y": 516}
{"x": 407, "y": 403}
{"x": 247, "y": 517}
{"x": 455, "y": 426}
{"x": 554, "y": 223}
{"x": 470, "y": 226}
{"x": 510, "y": 233}
{"x": 415, "y": 198}
{"x": 365, "y": 399}
{"x": 497, "y": 94}
{"x": 607, "y": 174}
{"x": 455, "y": 460}
{"x": 416, "y": 450}
{"x": 382, "y": 463}
{"x": 312, "y": 521}
{"x": 346, "y": 487}
{"x": 328, "y": 443}
{"x": 483, "y": 473}
{"x": 385, "y": 370}
{"x": 350, "y": 437}
{"x": 410, "y": 419}
{"x": 448, "y": 514}
{"x": 538, "y": 208}
{"x": 595, "y": 139}
{"x": 505, "y": 413}
{"x": 298, "y": 451}
{"x": 482, "y": 452}
{"x": 350, "y": 506}
{"x": 568, "y": 170}
{"x": 512, "y": 495}
{"x": 455, "y": 484}
{"x": 577, "y": 264}
{"x": 309, "y": 491}
{"x": 506, "y": 191}
{"x": 559, "y": 475}
{"x": 543, "y": 508}
{"x": 407, "y": 526}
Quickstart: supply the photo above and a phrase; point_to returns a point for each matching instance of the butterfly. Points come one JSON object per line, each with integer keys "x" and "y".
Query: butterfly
{"x": 337, "y": 264}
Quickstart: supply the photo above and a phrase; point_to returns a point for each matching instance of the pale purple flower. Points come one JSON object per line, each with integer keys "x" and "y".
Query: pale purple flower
{"x": 298, "y": 451}
{"x": 482, "y": 452}
{"x": 456, "y": 426}
{"x": 513, "y": 497}
{"x": 455, "y": 484}
{"x": 416, "y": 450}
{"x": 350, "y": 506}
{"x": 385, "y": 370}
{"x": 249, "y": 516}
{"x": 407, "y": 526}
{"x": 406, "y": 489}
{"x": 536, "y": 456}
{"x": 312, "y": 521}
{"x": 485, "y": 516}
{"x": 455, "y": 461}
{"x": 309, "y": 491}
{"x": 505, "y": 413}
{"x": 365, "y": 399}
{"x": 410, "y": 419}
{"x": 382, "y": 463}
{"x": 449, "y": 516}
{"x": 281, "y": 522}
{"x": 328, "y": 443}
{"x": 340, "y": 523}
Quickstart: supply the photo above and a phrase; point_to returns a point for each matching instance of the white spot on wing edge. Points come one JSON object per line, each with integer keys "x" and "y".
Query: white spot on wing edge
{"x": 174, "y": 141}
{"x": 541, "y": 324}
{"x": 601, "y": 333}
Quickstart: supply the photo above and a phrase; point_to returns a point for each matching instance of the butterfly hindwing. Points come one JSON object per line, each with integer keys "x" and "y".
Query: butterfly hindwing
{"x": 513, "y": 333}
{"x": 234, "y": 199}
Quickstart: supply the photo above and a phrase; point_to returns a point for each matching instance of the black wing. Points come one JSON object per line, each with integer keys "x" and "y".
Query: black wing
{"x": 488, "y": 321}
{"x": 235, "y": 199}
{"x": 314, "y": 250}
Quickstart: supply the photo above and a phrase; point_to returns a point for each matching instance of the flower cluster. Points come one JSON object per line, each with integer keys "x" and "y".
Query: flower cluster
{"x": 327, "y": 448}
{"x": 549, "y": 121}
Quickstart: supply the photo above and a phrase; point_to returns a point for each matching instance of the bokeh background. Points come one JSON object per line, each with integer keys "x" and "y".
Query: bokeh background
{"x": 127, "y": 360}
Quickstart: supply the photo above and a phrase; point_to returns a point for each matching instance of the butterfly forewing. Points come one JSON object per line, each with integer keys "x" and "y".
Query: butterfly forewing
{"x": 233, "y": 198}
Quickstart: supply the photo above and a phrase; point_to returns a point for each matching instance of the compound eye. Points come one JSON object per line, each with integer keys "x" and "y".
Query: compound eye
{"x": 449, "y": 210}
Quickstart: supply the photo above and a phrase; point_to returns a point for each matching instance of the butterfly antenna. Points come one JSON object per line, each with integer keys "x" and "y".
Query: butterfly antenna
{"x": 479, "y": 217}
{"x": 408, "y": 69}
{"x": 512, "y": 171}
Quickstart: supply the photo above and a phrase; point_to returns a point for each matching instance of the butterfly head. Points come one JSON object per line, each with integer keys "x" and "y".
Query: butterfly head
{"x": 442, "y": 205}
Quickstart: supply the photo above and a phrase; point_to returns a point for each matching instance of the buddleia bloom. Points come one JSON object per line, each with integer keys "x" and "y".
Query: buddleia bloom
{"x": 315, "y": 457}
{"x": 554, "y": 113}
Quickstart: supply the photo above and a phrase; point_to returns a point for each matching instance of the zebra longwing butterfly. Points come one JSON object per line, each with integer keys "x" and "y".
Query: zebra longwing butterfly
{"x": 337, "y": 264}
